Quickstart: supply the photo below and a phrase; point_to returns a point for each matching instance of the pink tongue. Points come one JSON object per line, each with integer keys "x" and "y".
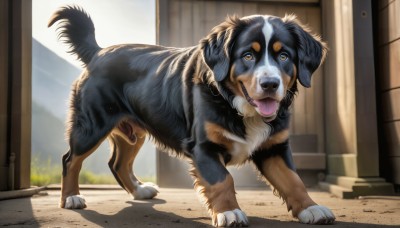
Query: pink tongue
{"x": 267, "y": 107}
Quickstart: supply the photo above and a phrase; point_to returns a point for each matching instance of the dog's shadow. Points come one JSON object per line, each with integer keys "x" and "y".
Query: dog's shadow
{"x": 144, "y": 214}
{"x": 141, "y": 214}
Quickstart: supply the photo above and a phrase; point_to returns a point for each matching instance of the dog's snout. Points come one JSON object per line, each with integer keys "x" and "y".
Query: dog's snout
{"x": 269, "y": 84}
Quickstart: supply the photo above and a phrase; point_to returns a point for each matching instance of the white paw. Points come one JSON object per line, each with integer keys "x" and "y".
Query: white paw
{"x": 316, "y": 215}
{"x": 146, "y": 190}
{"x": 231, "y": 218}
{"x": 75, "y": 202}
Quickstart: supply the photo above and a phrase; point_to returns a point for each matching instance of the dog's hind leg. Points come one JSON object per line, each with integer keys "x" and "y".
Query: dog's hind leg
{"x": 72, "y": 163}
{"x": 125, "y": 141}
{"x": 86, "y": 131}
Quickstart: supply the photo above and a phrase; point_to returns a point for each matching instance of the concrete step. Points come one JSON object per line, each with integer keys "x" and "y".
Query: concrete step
{"x": 342, "y": 192}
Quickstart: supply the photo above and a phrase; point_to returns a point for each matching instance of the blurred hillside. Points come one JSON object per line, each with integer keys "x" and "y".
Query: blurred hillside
{"x": 52, "y": 78}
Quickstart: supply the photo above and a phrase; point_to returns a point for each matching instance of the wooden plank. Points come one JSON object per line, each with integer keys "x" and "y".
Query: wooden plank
{"x": 391, "y": 105}
{"x": 383, "y": 26}
{"x": 268, "y": 9}
{"x": 340, "y": 128}
{"x": 198, "y": 21}
{"x": 364, "y": 72}
{"x": 392, "y": 138}
{"x": 304, "y": 143}
{"x": 250, "y": 9}
{"x": 174, "y": 24}
{"x": 186, "y": 24}
{"x": 299, "y": 112}
{"x": 210, "y": 16}
{"x": 389, "y": 66}
{"x": 163, "y": 22}
{"x": 20, "y": 135}
{"x": 309, "y": 161}
{"x": 230, "y": 9}
{"x": 389, "y": 23}
{"x": 384, "y": 3}
{"x": 318, "y": 111}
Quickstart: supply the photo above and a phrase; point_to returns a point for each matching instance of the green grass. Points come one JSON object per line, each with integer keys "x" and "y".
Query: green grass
{"x": 44, "y": 173}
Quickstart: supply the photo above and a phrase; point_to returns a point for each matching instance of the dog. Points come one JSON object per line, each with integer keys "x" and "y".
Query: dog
{"x": 222, "y": 102}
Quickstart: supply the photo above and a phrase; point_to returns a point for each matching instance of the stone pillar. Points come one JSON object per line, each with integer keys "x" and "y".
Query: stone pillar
{"x": 350, "y": 101}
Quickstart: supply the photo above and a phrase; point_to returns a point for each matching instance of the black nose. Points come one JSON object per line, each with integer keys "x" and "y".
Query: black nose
{"x": 269, "y": 84}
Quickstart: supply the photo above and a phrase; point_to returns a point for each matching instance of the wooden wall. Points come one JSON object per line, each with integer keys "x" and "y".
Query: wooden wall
{"x": 388, "y": 75}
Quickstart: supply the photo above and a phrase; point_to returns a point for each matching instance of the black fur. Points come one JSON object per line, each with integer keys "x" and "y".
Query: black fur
{"x": 310, "y": 51}
{"x": 78, "y": 31}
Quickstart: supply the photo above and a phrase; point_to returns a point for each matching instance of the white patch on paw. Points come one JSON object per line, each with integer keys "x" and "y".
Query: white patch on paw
{"x": 231, "y": 218}
{"x": 316, "y": 215}
{"x": 146, "y": 190}
{"x": 75, "y": 202}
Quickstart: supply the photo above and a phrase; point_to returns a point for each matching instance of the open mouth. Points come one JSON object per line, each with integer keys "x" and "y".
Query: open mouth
{"x": 266, "y": 107}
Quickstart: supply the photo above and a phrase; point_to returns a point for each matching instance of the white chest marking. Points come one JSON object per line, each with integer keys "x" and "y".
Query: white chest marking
{"x": 256, "y": 133}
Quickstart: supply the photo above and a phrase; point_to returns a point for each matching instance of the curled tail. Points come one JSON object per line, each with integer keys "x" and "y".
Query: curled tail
{"x": 77, "y": 30}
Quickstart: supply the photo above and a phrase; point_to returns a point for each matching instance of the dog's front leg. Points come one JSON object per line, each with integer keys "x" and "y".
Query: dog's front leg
{"x": 277, "y": 166}
{"x": 215, "y": 184}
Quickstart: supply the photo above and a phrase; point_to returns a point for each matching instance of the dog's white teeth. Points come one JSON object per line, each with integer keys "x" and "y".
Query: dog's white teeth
{"x": 75, "y": 202}
{"x": 316, "y": 215}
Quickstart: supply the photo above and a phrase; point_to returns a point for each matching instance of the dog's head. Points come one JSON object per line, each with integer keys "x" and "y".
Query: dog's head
{"x": 258, "y": 59}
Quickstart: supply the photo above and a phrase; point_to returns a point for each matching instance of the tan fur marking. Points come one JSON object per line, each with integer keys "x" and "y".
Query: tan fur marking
{"x": 277, "y": 46}
{"x": 256, "y": 46}
{"x": 234, "y": 85}
{"x": 125, "y": 155}
{"x": 288, "y": 184}
{"x": 286, "y": 81}
{"x": 219, "y": 197}
{"x": 215, "y": 134}
{"x": 70, "y": 182}
{"x": 232, "y": 77}
{"x": 249, "y": 82}
{"x": 294, "y": 77}
{"x": 222, "y": 195}
{"x": 277, "y": 138}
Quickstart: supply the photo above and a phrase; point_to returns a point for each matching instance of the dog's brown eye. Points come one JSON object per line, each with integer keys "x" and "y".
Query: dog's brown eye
{"x": 248, "y": 56}
{"x": 283, "y": 56}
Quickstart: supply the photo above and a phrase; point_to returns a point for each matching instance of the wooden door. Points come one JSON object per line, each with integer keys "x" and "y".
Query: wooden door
{"x": 4, "y": 114}
{"x": 184, "y": 22}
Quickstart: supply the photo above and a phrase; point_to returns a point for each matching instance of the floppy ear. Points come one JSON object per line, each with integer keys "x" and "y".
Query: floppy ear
{"x": 311, "y": 50}
{"x": 216, "y": 47}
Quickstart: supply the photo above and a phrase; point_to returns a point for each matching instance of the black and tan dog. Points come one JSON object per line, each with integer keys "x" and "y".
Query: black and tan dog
{"x": 222, "y": 102}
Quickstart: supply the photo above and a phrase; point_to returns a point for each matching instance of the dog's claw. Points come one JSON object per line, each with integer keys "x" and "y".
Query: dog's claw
{"x": 316, "y": 215}
{"x": 75, "y": 202}
{"x": 146, "y": 190}
{"x": 231, "y": 218}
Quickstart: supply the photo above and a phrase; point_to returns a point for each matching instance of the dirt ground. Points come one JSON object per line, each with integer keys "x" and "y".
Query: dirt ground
{"x": 181, "y": 208}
